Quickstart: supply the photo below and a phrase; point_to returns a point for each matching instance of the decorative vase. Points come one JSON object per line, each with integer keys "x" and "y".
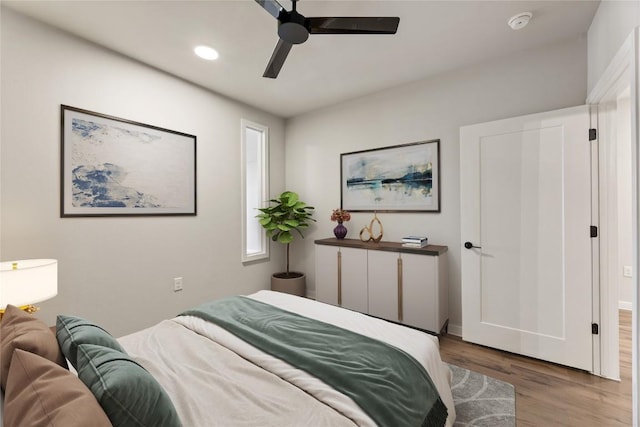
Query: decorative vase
{"x": 366, "y": 234}
{"x": 340, "y": 231}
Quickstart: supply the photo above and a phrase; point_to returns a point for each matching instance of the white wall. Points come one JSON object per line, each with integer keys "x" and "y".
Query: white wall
{"x": 119, "y": 271}
{"x": 532, "y": 81}
{"x": 613, "y": 22}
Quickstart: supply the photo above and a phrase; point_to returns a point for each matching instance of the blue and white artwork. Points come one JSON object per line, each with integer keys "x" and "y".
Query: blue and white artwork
{"x": 400, "y": 178}
{"x": 116, "y": 167}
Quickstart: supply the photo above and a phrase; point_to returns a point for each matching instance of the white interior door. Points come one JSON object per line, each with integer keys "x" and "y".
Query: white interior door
{"x": 526, "y": 203}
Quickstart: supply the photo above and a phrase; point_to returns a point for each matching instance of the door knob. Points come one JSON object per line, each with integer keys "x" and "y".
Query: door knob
{"x": 469, "y": 245}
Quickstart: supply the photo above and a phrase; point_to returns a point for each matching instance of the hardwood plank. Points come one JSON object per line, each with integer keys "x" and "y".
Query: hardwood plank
{"x": 552, "y": 395}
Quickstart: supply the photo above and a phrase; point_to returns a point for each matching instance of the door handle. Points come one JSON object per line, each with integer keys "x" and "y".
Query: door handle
{"x": 470, "y": 245}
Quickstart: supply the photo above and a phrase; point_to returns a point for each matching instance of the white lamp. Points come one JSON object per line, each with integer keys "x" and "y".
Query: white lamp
{"x": 26, "y": 282}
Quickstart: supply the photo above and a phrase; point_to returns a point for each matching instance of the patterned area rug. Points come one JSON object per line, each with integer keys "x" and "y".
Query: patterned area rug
{"x": 482, "y": 401}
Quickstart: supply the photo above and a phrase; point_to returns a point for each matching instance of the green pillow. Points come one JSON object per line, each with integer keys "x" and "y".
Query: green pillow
{"x": 72, "y": 331}
{"x": 128, "y": 394}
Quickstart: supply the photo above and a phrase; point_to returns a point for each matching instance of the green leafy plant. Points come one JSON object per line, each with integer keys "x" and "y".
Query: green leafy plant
{"x": 285, "y": 214}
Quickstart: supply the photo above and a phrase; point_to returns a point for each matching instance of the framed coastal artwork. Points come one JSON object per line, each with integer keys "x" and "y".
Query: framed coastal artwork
{"x": 401, "y": 178}
{"x": 117, "y": 167}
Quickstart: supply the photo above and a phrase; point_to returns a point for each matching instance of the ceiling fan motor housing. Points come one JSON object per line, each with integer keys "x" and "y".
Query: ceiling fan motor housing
{"x": 292, "y": 29}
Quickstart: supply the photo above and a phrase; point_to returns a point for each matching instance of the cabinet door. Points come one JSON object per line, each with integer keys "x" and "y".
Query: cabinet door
{"x": 327, "y": 274}
{"x": 353, "y": 284}
{"x": 420, "y": 293}
{"x": 341, "y": 277}
{"x": 383, "y": 284}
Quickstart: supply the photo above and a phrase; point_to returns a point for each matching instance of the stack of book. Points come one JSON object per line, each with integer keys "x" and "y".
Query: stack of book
{"x": 414, "y": 241}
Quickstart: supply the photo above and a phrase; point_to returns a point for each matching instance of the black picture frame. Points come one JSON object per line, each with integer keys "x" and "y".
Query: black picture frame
{"x": 116, "y": 167}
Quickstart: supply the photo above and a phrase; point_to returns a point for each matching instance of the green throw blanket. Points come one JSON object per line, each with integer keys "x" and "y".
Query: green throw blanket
{"x": 388, "y": 384}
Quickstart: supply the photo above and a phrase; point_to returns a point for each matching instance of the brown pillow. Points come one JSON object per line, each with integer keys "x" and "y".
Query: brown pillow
{"x": 19, "y": 329}
{"x": 41, "y": 393}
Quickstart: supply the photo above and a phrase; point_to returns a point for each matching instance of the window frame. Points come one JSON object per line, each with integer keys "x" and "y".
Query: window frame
{"x": 262, "y": 158}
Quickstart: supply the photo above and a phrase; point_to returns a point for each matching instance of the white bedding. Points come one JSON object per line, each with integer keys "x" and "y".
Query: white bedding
{"x": 215, "y": 378}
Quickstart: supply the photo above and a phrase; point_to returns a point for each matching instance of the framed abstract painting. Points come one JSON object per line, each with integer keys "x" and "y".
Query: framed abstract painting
{"x": 117, "y": 167}
{"x": 401, "y": 178}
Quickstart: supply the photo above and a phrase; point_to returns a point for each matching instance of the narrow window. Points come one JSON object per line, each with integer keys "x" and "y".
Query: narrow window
{"x": 255, "y": 189}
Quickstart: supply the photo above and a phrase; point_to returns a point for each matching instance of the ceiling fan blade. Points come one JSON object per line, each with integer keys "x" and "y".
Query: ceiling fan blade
{"x": 277, "y": 59}
{"x": 272, "y": 6}
{"x": 354, "y": 25}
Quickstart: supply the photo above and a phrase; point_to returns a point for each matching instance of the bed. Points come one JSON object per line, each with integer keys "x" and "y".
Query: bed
{"x": 266, "y": 359}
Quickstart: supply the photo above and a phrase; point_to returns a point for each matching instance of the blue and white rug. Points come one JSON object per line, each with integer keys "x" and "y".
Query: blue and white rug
{"x": 482, "y": 401}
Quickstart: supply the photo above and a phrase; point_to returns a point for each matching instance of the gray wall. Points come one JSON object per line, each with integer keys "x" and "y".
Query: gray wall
{"x": 119, "y": 271}
{"x": 531, "y": 81}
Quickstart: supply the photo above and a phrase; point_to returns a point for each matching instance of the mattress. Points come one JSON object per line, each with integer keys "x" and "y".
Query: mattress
{"x": 217, "y": 379}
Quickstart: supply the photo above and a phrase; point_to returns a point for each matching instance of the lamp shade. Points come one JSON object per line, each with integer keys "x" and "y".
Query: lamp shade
{"x": 28, "y": 281}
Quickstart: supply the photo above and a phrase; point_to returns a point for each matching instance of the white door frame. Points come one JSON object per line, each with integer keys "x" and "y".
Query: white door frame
{"x": 622, "y": 72}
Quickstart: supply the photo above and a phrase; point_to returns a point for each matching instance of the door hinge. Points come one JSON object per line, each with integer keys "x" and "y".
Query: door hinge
{"x": 594, "y": 328}
{"x": 594, "y": 231}
{"x": 593, "y": 134}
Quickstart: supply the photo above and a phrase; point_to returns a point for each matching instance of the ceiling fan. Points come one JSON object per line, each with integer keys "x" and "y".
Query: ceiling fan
{"x": 293, "y": 28}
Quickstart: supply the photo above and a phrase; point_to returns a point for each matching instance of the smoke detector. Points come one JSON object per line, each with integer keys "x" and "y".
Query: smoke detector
{"x": 520, "y": 20}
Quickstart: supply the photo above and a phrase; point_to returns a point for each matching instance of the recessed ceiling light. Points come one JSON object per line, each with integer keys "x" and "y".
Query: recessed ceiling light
{"x": 206, "y": 52}
{"x": 520, "y": 20}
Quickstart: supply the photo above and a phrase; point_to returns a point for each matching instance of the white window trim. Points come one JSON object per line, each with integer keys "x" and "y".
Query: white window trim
{"x": 264, "y": 188}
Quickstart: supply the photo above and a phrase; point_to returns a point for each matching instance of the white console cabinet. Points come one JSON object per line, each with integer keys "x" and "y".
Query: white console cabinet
{"x": 387, "y": 280}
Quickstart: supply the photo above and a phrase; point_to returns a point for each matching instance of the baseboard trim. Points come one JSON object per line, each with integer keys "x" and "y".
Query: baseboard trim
{"x": 455, "y": 330}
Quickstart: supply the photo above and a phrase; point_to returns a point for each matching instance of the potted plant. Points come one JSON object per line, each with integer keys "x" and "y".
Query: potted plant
{"x": 286, "y": 214}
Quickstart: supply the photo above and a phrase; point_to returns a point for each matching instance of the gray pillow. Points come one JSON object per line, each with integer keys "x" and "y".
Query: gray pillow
{"x": 73, "y": 331}
{"x": 128, "y": 394}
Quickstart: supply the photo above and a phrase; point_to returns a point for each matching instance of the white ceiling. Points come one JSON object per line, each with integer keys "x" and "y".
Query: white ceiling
{"x": 433, "y": 37}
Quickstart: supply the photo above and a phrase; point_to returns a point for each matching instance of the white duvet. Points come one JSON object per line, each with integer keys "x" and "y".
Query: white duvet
{"x": 216, "y": 379}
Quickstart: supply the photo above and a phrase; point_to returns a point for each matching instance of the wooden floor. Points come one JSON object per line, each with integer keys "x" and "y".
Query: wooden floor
{"x": 553, "y": 395}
